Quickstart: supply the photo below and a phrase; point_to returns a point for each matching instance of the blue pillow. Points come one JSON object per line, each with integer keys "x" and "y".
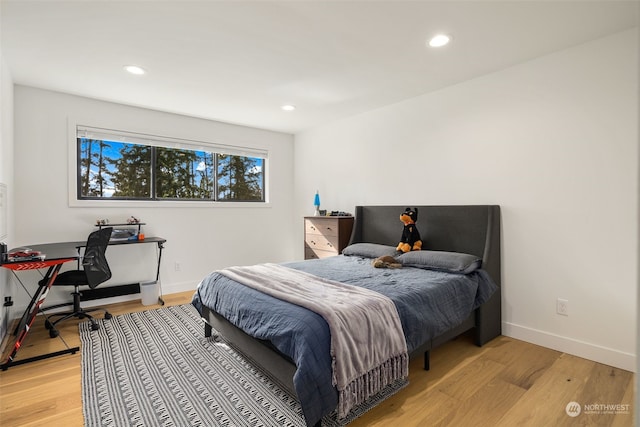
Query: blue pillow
{"x": 452, "y": 262}
{"x": 369, "y": 250}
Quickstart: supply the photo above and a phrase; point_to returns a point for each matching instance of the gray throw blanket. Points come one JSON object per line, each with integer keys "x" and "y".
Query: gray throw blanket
{"x": 363, "y": 363}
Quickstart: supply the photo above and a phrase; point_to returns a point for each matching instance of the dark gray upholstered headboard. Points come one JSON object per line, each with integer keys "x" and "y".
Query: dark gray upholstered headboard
{"x": 470, "y": 229}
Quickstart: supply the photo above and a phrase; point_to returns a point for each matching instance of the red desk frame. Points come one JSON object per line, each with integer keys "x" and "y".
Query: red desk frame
{"x": 53, "y": 267}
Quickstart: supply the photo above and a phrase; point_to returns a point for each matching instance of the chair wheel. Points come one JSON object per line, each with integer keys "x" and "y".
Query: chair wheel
{"x": 107, "y": 315}
{"x": 53, "y": 332}
{"x": 47, "y": 324}
{"x": 95, "y": 326}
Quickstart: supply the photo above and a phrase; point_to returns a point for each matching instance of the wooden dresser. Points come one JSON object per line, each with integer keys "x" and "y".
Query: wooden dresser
{"x": 326, "y": 236}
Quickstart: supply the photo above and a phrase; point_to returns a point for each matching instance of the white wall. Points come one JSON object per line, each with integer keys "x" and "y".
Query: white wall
{"x": 6, "y": 177}
{"x": 554, "y": 141}
{"x": 201, "y": 239}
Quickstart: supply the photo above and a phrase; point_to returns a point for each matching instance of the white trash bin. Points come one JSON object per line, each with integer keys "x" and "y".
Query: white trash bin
{"x": 149, "y": 292}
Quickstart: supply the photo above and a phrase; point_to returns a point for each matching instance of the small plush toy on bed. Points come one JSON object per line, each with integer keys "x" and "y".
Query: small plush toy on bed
{"x": 410, "y": 240}
{"x": 386, "y": 261}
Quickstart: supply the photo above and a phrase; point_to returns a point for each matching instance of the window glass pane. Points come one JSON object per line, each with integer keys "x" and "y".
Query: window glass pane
{"x": 132, "y": 176}
{"x": 109, "y": 169}
{"x": 240, "y": 178}
{"x": 184, "y": 174}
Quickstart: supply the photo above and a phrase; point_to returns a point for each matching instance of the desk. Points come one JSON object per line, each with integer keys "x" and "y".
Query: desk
{"x": 56, "y": 254}
{"x": 117, "y": 290}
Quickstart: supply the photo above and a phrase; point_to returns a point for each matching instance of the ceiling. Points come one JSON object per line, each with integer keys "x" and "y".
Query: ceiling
{"x": 239, "y": 61}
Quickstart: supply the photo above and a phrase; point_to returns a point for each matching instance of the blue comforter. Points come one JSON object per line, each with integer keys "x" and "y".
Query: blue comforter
{"x": 428, "y": 303}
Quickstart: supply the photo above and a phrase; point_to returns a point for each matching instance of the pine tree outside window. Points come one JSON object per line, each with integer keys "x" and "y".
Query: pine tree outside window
{"x": 124, "y": 166}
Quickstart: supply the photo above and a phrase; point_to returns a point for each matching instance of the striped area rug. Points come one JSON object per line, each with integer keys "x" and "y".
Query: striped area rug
{"x": 155, "y": 368}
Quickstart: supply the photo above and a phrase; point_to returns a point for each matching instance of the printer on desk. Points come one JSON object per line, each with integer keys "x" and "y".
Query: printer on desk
{"x": 129, "y": 231}
{"x": 122, "y": 234}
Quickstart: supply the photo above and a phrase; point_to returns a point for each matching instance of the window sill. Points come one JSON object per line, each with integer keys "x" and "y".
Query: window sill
{"x": 158, "y": 204}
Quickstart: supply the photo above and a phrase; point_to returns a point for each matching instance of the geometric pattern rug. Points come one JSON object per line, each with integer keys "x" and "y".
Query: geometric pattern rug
{"x": 155, "y": 368}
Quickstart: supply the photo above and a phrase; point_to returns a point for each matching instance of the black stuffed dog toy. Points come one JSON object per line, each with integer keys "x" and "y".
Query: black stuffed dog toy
{"x": 410, "y": 240}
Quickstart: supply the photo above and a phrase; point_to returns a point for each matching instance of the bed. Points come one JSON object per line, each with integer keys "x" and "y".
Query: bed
{"x": 467, "y": 236}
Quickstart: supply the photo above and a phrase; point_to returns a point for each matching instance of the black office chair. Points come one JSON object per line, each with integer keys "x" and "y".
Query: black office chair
{"x": 95, "y": 270}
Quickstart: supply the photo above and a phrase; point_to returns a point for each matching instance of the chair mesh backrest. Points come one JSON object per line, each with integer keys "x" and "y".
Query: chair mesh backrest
{"x": 95, "y": 262}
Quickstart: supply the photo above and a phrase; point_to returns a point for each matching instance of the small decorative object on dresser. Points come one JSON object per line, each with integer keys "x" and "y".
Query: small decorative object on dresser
{"x": 316, "y": 203}
{"x": 326, "y": 236}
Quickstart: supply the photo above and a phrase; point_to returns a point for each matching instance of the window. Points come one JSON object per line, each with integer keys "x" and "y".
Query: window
{"x": 114, "y": 165}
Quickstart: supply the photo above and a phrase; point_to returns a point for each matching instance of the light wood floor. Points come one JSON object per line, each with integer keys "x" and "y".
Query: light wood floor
{"x": 504, "y": 383}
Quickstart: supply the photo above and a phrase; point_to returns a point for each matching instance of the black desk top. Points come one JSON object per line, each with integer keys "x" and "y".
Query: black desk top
{"x": 158, "y": 240}
{"x": 53, "y": 251}
{"x": 66, "y": 250}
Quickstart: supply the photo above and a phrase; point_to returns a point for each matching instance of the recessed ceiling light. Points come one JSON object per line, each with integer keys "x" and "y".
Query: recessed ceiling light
{"x": 439, "y": 40}
{"x": 288, "y": 107}
{"x": 134, "y": 69}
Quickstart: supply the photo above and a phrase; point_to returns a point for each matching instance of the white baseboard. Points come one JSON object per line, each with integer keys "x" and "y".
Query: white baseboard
{"x": 174, "y": 288}
{"x": 604, "y": 355}
{"x": 166, "y": 290}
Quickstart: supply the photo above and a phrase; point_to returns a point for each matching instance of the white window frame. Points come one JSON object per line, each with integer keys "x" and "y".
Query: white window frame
{"x": 163, "y": 141}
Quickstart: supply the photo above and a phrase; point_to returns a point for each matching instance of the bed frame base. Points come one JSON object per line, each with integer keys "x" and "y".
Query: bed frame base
{"x": 276, "y": 365}
{"x": 281, "y": 369}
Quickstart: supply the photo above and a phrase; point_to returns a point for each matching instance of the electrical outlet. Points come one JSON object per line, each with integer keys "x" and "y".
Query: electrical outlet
{"x": 177, "y": 266}
{"x": 562, "y": 307}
